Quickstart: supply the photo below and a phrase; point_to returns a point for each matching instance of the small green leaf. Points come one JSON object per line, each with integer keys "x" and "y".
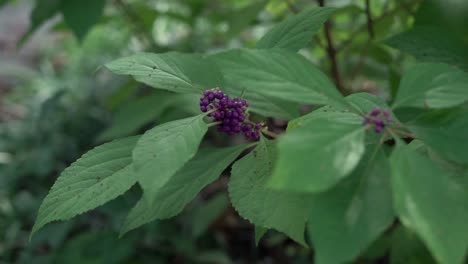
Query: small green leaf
{"x": 277, "y": 74}
{"x": 283, "y": 211}
{"x": 239, "y": 19}
{"x": 408, "y": 248}
{"x": 432, "y": 202}
{"x": 317, "y": 155}
{"x": 81, "y": 15}
{"x": 163, "y": 150}
{"x": 365, "y": 102}
{"x": 445, "y": 131}
{"x": 346, "y": 219}
{"x": 432, "y": 85}
{"x": 172, "y": 71}
{"x": 362, "y": 102}
{"x": 295, "y": 32}
{"x": 97, "y": 177}
{"x": 171, "y": 199}
{"x": 259, "y": 233}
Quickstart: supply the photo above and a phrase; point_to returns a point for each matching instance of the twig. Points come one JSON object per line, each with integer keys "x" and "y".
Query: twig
{"x": 269, "y": 133}
{"x": 402, "y": 6}
{"x": 370, "y": 27}
{"x": 331, "y": 50}
{"x": 214, "y": 123}
{"x": 403, "y": 133}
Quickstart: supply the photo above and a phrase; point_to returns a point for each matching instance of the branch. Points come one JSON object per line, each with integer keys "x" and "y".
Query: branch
{"x": 370, "y": 27}
{"x": 331, "y": 50}
{"x": 402, "y": 6}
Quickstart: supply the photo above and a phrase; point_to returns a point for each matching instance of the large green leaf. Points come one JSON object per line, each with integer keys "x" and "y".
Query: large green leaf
{"x": 163, "y": 150}
{"x": 81, "y": 15}
{"x": 177, "y": 72}
{"x": 263, "y": 105}
{"x": 445, "y": 131}
{"x": 431, "y": 43}
{"x": 345, "y": 220}
{"x": 315, "y": 156}
{"x": 432, "y": 202}
{"x": 97, "y": 177}
{"x": 296, "y": 31}
{"x": 171, "y": 199}
{"x": 432, "y": 85}
{"x": 271, "y": 209}
{"x": 277, "y": 74}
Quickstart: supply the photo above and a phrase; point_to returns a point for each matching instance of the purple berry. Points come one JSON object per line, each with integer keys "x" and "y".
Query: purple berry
{"x": 255, "y": 135}
{"x": 378, "y": 129}
{"x": 375, "y": 112}
{"x": 219, "y": 95}
{"x": 203, "y": 109}
{"x": 378, "y": 122}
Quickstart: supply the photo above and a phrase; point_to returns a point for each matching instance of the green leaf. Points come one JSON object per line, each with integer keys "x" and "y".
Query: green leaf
{"x": 260, "y": 205}
{"x": 172, "y": 71}
{"x": 317, "y": 155}
{"x": 365, "y": 102}
{"x": 259, "y": 233}
{"x": 239, "y": 19}
{"x": 277, "y": 74}
{"x": 432, "y": 44}
{"x": 345, "y": 220}
{"x": 432, "y": 202}
{"x": 43, "y": 10}
{"x": 97, "y": 177}
{"x": 362, "y": 102}
{"x": 295, "y": 32}
{"x": 171, "y": 199}
{"x": 81, "y": 15}
{"x": 263, "y": 105}
{"x": 163, "y": 150}
{"x": 407, "y": 248}
{"x": 141, "y": 111}
{"x": 208, "y": 212}
{"x": 445, "y": 131}
{"x": 432, "y": 85}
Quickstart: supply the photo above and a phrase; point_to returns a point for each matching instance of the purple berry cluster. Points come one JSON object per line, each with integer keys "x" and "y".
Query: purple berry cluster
{"x": 379, "y": 118}
{"x": 230, "y": 112}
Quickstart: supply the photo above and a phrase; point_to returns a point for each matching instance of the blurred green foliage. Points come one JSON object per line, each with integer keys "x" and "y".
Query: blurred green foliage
{"x": 60, "y": 104}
